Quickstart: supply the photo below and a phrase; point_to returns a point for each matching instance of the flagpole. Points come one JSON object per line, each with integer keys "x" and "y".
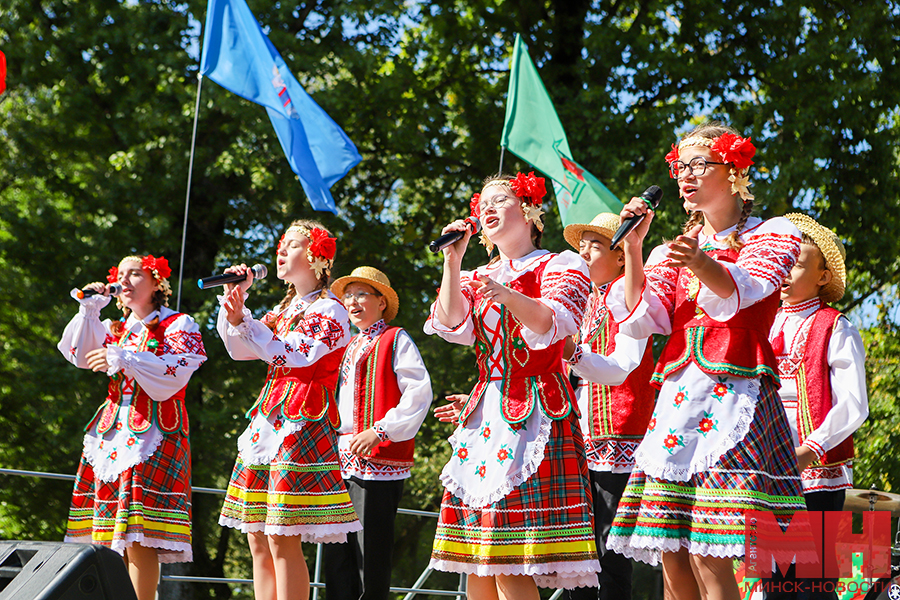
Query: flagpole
{"x": 187, "y": 198}
{"x": 500, "y": 170}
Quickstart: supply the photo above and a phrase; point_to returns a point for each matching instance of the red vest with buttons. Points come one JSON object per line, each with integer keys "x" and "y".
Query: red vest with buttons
{"x": 814, "y": 385}
{"x": 738, "y": 347}
{"x": 531, "y": 377}
{"x": 170, "y": 415}
{"x": 621, "y": 411}
{"x": 375, "y": 392}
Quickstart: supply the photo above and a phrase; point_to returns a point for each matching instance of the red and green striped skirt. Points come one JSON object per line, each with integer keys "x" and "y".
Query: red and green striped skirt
{"x": 705, "y": 514}
{"x": 149, "y": 504}
{"x": 300, "y": 492}
{"x": 542, "y": 528}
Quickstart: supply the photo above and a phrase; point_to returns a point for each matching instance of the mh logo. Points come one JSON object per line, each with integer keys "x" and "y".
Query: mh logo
{"x": 821, "y": 543}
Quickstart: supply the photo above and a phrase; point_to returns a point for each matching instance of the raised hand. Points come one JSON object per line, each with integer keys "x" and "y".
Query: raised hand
{"x": 449, "y": 413}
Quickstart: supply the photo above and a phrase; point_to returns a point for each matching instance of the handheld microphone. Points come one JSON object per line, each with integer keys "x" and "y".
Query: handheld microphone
{"x": 259, "y": 272}
{"x": 452, "y": 237}
{"x": 651, "y": 196}
{"x": 114, "y": 290}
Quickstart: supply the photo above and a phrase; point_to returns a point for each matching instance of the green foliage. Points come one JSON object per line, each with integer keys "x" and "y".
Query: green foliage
{"x": 95, "y": 129}
{"x": 876, "y": 442}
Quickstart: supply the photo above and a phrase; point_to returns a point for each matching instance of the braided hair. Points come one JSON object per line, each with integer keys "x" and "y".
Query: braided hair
{"x": 321, "y": 284}
{"x": 503, "y": 179}
{"x": 712, "y": 130}
{"x": 159, "y": 299}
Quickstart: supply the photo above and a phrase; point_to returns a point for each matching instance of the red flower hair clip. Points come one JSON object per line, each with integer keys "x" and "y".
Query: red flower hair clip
{"x": 671, "y": 157}
{"x": 530, "y": 187}
{"x": 474, "y": 208}
{"x": 735, "y": 149}
{"x": 320, "y": 245}
{"x": 113, "y": 275}
{"x": 158, "y": 266}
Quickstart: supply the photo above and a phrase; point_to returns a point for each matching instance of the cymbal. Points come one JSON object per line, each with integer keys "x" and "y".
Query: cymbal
{"x": 858, "y": 501}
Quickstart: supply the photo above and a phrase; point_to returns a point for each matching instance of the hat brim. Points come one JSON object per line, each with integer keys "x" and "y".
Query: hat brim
{"x": 390, "y": 296}
{"x": 573, "y": 232}
{"x": 834, "y": 262}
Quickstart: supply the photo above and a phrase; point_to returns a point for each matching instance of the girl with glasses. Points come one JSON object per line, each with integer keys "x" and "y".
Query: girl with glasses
{"x": 718, "y": 444}
{"x": 516, "y": 507}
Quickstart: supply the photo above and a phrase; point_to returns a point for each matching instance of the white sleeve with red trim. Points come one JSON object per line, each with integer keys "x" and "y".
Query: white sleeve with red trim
{"x": 161, "y": 376}
{"x": 768, "y": 255}
{"x": 402, "y": 422}
{"x": 460, "y": 333}
{"x": 325, "y": 328}
{"x": 565, "y": 288}
{"x": 84, "y": 332}
{"x": 653, "y": 314}
{"x": 611, "y": 369}
{"x": 850, "y": 401}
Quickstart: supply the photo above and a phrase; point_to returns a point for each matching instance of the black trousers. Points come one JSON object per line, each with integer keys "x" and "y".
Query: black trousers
{"x": 361, "y": 568}
{"x": 615, "y": 574}
{"x": 815, "y": 501}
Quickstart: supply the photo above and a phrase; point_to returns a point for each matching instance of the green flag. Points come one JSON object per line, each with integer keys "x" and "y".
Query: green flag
{"x": 532, "y": 131}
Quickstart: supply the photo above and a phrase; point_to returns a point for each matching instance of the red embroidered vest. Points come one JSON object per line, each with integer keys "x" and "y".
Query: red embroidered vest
{"x": 169, "y": 415}
{"x": 530, "y": 377}
{"x": 814, "y": 385}
{"x": 622, "y": 411}
{"x": 738, "y": 347}
{"x": 302, "y": 392}
{"x": 375, "y": 392}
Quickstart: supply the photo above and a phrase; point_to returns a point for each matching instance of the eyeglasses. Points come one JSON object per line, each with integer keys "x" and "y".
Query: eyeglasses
{"x": 697, "y": 167}
{"x": 358, "y": 296}
{"x": 495, "y": 201}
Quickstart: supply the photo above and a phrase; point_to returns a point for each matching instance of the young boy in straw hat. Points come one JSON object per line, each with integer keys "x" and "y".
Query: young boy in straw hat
{"x": 384, "y": 393}
{"x": 821, "y": 362}
{"x": 613, "y": 394}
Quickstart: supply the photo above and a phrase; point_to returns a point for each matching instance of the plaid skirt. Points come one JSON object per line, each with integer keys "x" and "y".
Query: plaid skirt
{"x": 300, "y": 492}
{"x": 150, "y": 504}
{"x": 705, "y": 514}
{"x": 542, "y": 528}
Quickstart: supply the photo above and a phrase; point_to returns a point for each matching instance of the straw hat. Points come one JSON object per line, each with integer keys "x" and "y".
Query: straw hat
{"x": 604, "y": 224}
{"x": 832, "y": 249}
{"x": 375, "y": 278}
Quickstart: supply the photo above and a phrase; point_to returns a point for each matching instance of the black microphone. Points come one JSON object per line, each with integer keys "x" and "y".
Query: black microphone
{"x": 651, "y": 196}
{"x": 259, "y": 272}
{"x": 454, "y": 236}
{"x": 114, "y": 290}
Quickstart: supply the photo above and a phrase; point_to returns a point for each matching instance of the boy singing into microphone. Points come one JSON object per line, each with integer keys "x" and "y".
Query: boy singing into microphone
{"x": 384, "y": 393}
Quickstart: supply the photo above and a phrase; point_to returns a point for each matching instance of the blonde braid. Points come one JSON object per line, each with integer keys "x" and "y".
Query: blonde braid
{"x": 695, "y": 218}
{"x": 734, "y": 240}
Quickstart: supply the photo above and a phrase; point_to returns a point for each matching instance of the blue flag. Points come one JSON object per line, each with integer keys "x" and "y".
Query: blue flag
{"x": 238, "y": 56}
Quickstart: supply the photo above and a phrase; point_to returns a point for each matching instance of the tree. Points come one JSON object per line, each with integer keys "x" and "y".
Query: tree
{"x": 96, "y": 128}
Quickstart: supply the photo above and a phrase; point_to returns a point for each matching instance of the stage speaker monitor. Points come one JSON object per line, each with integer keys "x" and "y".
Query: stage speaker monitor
{"x": 60, "y": 571}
